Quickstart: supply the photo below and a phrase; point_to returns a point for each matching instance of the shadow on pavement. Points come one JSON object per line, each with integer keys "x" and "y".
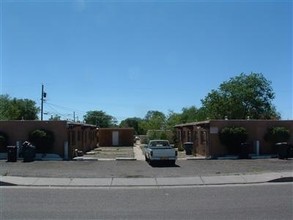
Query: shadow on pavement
{"x": 282, "y": 180}
{"x": 6, "y": 184}
{"x": 163, "y": 164}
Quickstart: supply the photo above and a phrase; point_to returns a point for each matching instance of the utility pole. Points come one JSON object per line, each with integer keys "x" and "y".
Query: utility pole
{"x": 43, "y": 95}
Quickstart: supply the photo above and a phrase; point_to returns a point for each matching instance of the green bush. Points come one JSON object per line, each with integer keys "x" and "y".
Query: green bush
{"x": 180, "y": 147}
{"x": 3, "y": 139}
{"x": 277, "y": 134}
{"x": 160, "y": 134}
{"x": 232, "y": 137}
{"x": 42, "y": 139}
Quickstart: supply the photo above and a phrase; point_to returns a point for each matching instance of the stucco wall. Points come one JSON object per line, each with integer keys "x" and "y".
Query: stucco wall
{"x": 81, "y": 137}
{"x": 206, "y": 135}
{"x": 78, "y": 136}
{"x": 126, "y": 136}
{"x": 256, "y": 131}
{"x": 19, "y": 131}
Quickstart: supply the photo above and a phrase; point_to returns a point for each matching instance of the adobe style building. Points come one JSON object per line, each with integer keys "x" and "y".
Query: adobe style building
{"x": 69, "y": 136}
{"x": 115, "y": 137}
{"x": 205, "y": 135}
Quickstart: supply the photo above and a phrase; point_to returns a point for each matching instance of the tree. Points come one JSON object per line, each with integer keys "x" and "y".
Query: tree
{"x": 241, "y": 97}
{"x": 100, "y": 119}
{"x": 55, "y": 118}
{"x": 190, "y": 114}
{"x": 17, "y": 109}
{"x": 173, "y": 119}
{"x": 132, "y": 123}
{"x": 154, "y": 120}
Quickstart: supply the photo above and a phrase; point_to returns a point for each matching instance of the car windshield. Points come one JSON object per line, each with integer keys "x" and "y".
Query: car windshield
{"x": 159, "y": 143}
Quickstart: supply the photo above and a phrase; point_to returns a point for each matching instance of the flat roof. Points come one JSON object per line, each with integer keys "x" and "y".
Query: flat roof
{"x": 232, "y": 120}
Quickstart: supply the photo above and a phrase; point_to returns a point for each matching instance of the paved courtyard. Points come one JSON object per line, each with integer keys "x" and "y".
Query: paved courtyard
{"x": 135, "y": 152}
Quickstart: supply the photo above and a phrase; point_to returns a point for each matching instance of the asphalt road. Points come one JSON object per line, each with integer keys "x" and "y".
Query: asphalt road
{"x": 268, "y": 201}
{"x": 127, "y": 169}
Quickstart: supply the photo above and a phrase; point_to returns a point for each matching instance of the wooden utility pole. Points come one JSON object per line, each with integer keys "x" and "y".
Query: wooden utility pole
{"x": 43, "y": 95}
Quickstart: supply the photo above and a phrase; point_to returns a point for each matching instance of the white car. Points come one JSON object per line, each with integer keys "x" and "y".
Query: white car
{"x": 160, "y": 150}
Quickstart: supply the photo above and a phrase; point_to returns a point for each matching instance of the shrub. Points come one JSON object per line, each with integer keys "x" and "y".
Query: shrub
{"x": 3, "y": 139}
{"x": 179, "y": 147}
{"x": 277, "y": 134}
{"x": 160, "y": 134}
{"x": 42, "y": 139}
{"x": 232, "y": 137}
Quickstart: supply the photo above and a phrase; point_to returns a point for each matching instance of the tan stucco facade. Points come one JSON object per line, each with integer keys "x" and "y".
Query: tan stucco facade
{"x": 115, "y": 136}
{"x": 68, "y": 135}
{"x": 205, "y": 135}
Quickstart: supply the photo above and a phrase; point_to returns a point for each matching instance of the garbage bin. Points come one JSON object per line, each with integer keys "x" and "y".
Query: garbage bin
{"x": 244, "y": 151}
{"x": 28, "y": 152}
{"x": 11, "y": 154}
{"x": 188, "y": 147}
{"x": 290, "y": 150}
{"x": 283, "y": 150}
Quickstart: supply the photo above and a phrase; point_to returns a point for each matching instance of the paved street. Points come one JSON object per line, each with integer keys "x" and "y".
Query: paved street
{"x": 262, "y": 201}
{"x": 132, "y": 189}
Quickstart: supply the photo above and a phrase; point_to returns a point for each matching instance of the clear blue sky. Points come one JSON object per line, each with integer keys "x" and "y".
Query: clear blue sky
{"x": 126, "y": 58}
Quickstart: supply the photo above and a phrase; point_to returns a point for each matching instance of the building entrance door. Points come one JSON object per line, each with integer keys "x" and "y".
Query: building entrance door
{"x": 115, "y": 138}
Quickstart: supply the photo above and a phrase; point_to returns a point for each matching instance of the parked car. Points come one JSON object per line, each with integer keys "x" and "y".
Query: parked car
{"x": 160, "y": 150}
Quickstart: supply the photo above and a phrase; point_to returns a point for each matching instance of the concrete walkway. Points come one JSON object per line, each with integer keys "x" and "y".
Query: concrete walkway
{"x": 147, "y": 182}
{"x": 138, "y": 154}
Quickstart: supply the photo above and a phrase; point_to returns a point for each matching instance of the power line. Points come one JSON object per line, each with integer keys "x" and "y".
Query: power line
{"x": 65, "y": 108}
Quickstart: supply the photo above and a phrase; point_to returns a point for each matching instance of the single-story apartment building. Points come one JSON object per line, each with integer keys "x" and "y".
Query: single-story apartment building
{"x": 205, "y": 135}
{"x": 115, "y": 137}
{"x": 68, "y": 136}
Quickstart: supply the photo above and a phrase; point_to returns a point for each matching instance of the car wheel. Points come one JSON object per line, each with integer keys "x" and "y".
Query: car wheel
{"x": 172, "y": 162}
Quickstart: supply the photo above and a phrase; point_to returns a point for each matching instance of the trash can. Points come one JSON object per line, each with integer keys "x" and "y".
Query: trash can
{"x": 28, "y": 152}
{"x": 290, "y": 150}
{"x": 244, "y": 151}
{"x": 188, "y": 147}
{"x": 11, "y": 154}
{"x": 283, "y": 150}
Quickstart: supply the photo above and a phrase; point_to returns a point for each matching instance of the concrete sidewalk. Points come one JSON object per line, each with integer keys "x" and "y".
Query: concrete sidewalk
{"x": 147, "y": 182}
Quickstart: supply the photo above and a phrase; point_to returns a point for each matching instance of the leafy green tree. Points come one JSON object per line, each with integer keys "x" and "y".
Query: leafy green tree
{"x": 132, "y": 123}
{"x": 173, "y": 119}
{"x": 17, "y": 109}
{"x": 100, "y": 119}
{"x": 154, "y": 120}
{"x": 189, "y": 114}
{"x": 241, "y": 97}
{"x": 55, "y": 118}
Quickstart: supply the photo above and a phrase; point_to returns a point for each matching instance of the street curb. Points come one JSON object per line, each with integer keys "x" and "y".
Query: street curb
{"x": 125, "y": 159}
{"x": 104, "y": 159}
{"x": 111, "y": 182}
